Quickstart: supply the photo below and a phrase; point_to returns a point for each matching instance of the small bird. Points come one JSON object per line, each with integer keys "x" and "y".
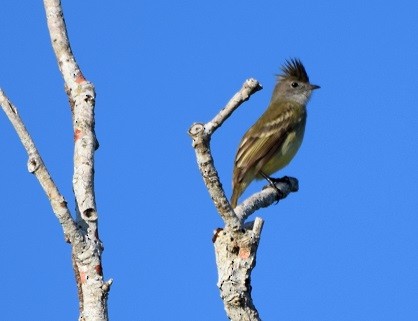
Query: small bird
{"x": 272, "y": 142}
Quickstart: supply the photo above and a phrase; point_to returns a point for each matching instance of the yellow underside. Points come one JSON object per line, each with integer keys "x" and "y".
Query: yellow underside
{"x": 283, "y": 155}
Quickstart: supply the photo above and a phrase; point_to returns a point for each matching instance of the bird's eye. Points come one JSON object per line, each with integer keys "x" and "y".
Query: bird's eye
{"x": 294, "y": 84}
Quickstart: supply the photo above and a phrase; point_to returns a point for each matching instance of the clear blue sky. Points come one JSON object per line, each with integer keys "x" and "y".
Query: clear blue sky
{"x": 345, "y": 247}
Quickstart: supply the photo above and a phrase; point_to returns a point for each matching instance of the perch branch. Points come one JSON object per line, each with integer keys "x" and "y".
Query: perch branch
{"x": 235, "y": 245}
{"x": 266, "y": 197}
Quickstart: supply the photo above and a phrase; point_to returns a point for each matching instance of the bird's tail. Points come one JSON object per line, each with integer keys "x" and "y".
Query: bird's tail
{"x": 238, "y": 187}
{"x": 234, "y": 198}
{"x": 237, "y": 191}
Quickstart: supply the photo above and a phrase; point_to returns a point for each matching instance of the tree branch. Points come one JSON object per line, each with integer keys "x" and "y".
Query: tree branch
{"x": 37, "y": 167}
{"x": 87, "y": 263}
{"x": 82, "y": 96}
{"x": 236, "y": 245}
{"x": 201, "y": 135}
{"x": 266, "y": 197}
{"x": 235, "y": 259}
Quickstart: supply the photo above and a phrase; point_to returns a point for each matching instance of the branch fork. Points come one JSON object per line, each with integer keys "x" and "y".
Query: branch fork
{"x": 236, "y": 244}
{"x": 81, "y": 232}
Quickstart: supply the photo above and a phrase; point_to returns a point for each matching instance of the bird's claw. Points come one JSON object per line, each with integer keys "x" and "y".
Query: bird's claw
{"x": 272, "y": 182}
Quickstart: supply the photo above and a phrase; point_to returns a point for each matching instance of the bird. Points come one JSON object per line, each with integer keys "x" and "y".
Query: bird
{"x": 272, "y": 142}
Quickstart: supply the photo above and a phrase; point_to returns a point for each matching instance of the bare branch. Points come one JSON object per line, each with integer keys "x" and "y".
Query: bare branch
{"x": 87, "y": 261}
{"x": 250, "y": 86}
{"x": 82, "y": 96}
{"x": 235, "y": 245}
{"x": 61, "y": 44}
{"x": 82, "y": 234}
{"x": 266, "y": 197}
{"x": 37, "y": 167}
{"x": 201, "y": 134}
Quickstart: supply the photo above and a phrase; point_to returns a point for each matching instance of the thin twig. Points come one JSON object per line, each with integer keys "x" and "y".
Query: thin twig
{"x": 37, "y": 167}
{"x": 201, "y": 134}
{"x": 250, "y": 87}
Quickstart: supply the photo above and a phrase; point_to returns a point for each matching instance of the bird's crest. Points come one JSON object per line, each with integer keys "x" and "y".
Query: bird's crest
{"x": 294, "y": 68}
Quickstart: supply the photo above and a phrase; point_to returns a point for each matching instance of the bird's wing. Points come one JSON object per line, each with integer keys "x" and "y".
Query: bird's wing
{"x": 261, "y": 143}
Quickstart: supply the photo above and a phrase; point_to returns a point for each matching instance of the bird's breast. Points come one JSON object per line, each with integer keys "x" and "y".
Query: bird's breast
{"x": 285, "y": 153}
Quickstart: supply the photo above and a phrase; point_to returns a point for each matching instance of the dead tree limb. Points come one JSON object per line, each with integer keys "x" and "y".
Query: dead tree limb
{"x": 82, "y": 231}
{"x": 236, "y": 244}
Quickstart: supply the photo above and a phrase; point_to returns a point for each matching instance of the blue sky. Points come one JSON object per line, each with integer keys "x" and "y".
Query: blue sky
{"x": 343, "y": 248}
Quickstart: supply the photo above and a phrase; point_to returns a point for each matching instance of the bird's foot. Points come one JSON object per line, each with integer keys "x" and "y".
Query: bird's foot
{"x": 272, "y": 182}
{"x": 284, "y": 179}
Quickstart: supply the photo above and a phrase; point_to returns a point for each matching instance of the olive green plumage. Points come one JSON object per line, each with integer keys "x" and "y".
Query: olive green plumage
{"x": 272, "y": 142}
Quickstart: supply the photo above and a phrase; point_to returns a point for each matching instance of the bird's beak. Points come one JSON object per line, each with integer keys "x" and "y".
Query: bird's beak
{"x": 313, "y": 87}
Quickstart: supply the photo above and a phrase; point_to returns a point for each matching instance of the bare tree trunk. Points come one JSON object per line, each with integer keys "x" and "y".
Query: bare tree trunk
{"x": 81, "y": 232}
{"x": 236, "y": 244}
